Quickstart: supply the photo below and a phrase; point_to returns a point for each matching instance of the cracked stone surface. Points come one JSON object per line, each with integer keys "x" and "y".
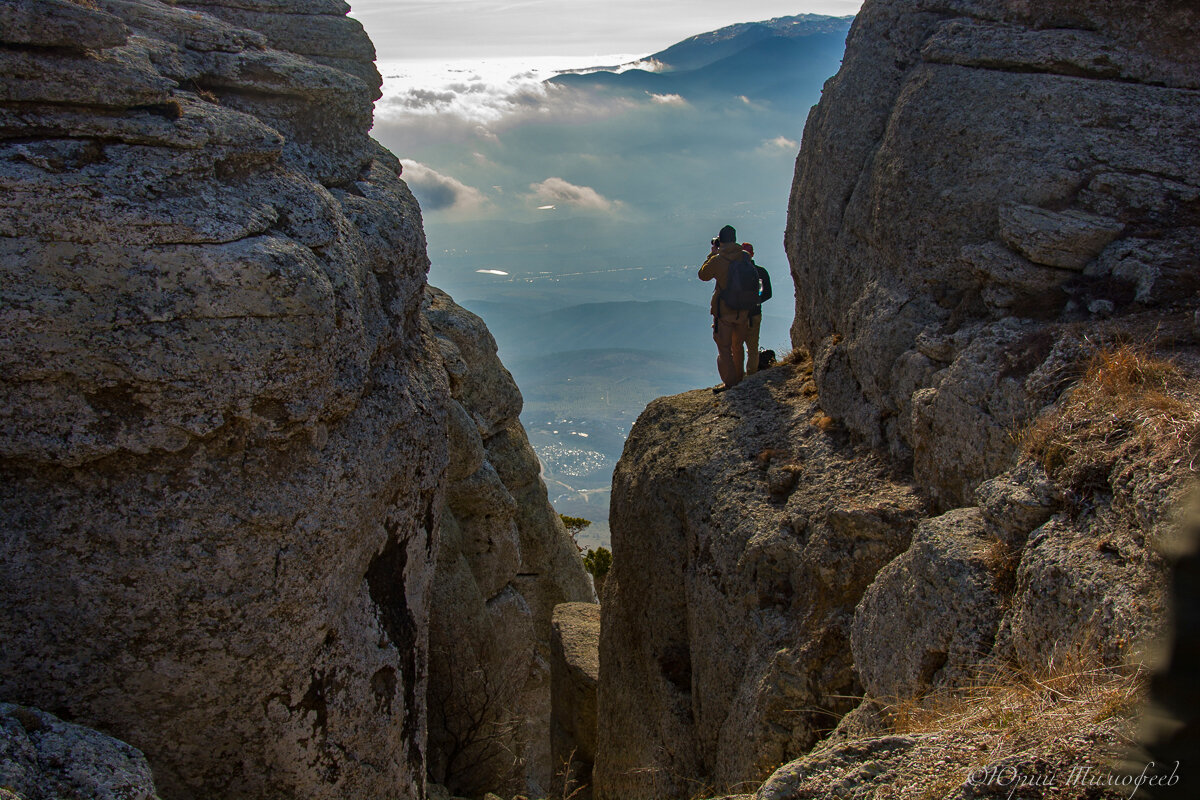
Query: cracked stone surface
{"x": 505, "y": 561}
{"x": 990, "y": 171}
{"x": 222, "y": 418}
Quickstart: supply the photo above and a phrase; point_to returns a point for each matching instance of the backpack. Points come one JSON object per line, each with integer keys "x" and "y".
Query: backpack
{"x": 741, "y": 290}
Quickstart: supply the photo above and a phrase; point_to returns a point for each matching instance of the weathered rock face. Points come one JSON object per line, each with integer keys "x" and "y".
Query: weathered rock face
{"x": 948, "y": 616}
{"x": 222, "y": 425}
{"x": 987, "y": 588}
{"x": 44, "y": 758}
{"x": 575, "y": 678}
{"x": 744, "y": 535}
{"x": 981, "y": 178}
{"x": 504, "y": 562}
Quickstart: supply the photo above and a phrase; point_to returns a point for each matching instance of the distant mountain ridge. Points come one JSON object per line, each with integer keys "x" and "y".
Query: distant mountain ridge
{"x": 774, "y": 60}
{"x": 707, "y": 48}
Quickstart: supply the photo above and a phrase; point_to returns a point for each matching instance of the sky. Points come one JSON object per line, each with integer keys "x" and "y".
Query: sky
{"x": 457, "y": 29}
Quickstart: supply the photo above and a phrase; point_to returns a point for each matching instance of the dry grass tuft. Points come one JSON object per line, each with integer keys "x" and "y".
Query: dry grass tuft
{"x": 1002, "y": 558}
{"x": 823, "y": 421}
{"x": 797, "y": 356}
{"x": 1021, "y": 712}
{"x": 1128, "y": 406}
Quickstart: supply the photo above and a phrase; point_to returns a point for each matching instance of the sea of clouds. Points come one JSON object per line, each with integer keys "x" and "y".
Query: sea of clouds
{"x": 451, "y": 123}
{"x": 485, "y": 92}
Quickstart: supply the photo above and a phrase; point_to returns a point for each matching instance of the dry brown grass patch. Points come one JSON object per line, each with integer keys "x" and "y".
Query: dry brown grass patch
{"x": 823, "y": 421}
{"x": 1128, "y": 406}
{"x": 1020, "y": 712}
{"x": 797, "y": 356}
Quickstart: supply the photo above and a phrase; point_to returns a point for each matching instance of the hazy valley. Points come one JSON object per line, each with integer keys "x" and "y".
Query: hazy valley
{"x": 573, "y": 221}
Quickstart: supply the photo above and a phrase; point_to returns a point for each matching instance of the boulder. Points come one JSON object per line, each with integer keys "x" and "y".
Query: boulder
{"x": 1069, "y": 239}
{"x": 930, "y": 617}
{"x": 725, "y": 636}
{"x": 1085, "y": 586}
{"x": 574, "y": 677}
{"x": 44, "y": 758}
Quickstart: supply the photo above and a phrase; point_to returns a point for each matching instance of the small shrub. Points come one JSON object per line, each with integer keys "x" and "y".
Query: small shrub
{"x": 598, "y": 562}
{"x": 1002, "y": 558}
{"x": 796, "y": 356}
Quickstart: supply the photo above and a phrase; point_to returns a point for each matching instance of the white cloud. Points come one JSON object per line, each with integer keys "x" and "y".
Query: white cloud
{"x": 668, "y": 99}
{"x": 556, "y": 191}
{"x": 780, "y": 143}
{"x": 438, "y": 192}
{"x": 476, "y": 102}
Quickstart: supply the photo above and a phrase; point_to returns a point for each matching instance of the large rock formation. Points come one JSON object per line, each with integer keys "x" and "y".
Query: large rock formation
{"x": 745, "y": 532}
{"x": 989, "y": 193}
{"x": 982, "y": 182}
{"x": 976, "y": 208}
{"x": 222, "y": 424}
{"x": 505, "y": 560}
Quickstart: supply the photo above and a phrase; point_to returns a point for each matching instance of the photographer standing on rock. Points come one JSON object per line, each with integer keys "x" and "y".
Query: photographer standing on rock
{"x": 734, "y": 299}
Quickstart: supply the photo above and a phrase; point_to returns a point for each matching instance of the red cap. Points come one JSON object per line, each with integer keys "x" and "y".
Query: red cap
{"x": 749, "y": 248}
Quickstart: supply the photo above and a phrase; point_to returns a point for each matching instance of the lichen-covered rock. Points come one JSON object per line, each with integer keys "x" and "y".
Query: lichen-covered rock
{"x": 575, "y": 677}
{"x": 1026, "y": 580}
{"x": 505, "y": 562}
{"x": 222, "y": 425}
{"x": 44, "y": 758}
{"x": 1091, "y": 585}
{"x": 931, "y": 615}
{"x": 726, "y": 617}
{"x": 981, "y": 171}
